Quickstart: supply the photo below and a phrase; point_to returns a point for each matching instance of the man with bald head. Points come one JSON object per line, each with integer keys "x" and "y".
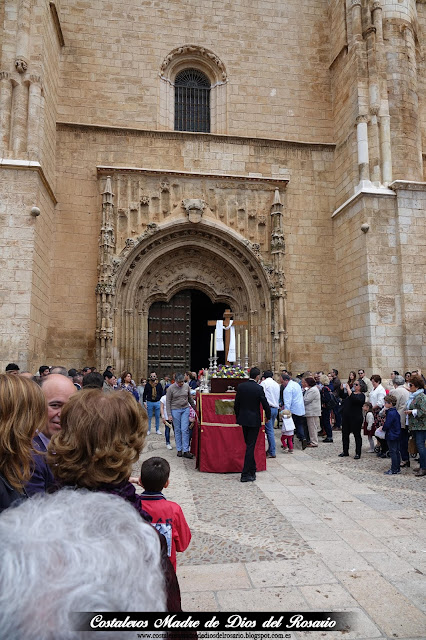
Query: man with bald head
{"x": 57, "y": 390}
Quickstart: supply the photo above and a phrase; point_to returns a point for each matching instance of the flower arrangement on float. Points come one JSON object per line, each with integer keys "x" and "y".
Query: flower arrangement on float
{"x": 230, "y": 371}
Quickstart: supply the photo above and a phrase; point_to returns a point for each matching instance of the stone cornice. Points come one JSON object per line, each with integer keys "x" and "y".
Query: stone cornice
{"x": 187, "y": 135}
{"x": 362, "y": 193}
{"x": 407, "y": 185}
{"x": 29, "y": 165}
{"x": 108, "y": 170}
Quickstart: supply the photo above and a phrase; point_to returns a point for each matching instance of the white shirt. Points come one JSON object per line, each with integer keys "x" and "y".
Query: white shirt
{"x": 163, "y": 401}
{"x": 293, "y": 398}
{"x": 377, "y": 396}
{"x": 272, "y": 392}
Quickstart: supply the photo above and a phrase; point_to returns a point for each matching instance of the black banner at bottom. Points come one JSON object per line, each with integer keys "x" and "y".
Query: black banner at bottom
{"x": 213, "y": 622}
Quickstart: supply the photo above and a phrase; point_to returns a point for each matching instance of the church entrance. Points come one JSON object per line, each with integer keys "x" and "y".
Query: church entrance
{"x": 178, "y": 334}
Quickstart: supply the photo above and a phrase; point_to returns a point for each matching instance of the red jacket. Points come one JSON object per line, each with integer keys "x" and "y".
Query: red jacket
{"x": 168, "y": 519}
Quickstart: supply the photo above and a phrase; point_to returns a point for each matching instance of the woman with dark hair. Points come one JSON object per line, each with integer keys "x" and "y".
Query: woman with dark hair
{"x": 416, "y": 412}
{"x": 352, "y": 417}
{"x": 127, "y": 384}
{"x": 352, "y": 379}
{"x": 101, "y": 437}
{"x": 407, "y": 376}
{"x": 23, "y": 411}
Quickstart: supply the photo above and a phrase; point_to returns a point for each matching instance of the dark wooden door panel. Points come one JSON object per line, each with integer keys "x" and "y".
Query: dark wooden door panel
{"x": 169, "y": 335}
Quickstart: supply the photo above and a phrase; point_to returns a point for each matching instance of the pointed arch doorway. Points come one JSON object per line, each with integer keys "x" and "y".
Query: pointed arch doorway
{"x": 178, "y": 334}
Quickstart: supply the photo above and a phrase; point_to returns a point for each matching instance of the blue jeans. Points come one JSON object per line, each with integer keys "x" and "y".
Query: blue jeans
{"x": 299, "y": 424}
{"x": 394, "y": 454}
{"x": 420, "y": 437}
{"x": 153, "y": 407}
{"x": 337, "y": 417}
{"x": 167, "y": 434}
{"x": 269, "y": 429}
{"x": 403, "y": 445}
{"x": 180, "y": 419}
{"x": 326, "y": 423}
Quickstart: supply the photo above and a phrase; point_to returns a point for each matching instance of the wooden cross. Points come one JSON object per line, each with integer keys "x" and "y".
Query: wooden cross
{"x": 227, "y": 316}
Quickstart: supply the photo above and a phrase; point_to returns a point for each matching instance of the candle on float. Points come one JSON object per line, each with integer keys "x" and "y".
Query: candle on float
{"x": 238, "y": 346}
{"x": 246, "y": 342}
{"x": 211, "y": 346}
{"x": 214, "y": 340}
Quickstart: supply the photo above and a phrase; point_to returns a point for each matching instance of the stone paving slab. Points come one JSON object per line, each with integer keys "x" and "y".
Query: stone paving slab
{"x": 389, "y": 608}
{"x": 277, "y": 599}
{"x": 315, "y": 532}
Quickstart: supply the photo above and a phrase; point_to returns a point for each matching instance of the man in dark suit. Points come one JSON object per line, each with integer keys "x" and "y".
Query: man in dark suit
{"x": 249, "y": 397}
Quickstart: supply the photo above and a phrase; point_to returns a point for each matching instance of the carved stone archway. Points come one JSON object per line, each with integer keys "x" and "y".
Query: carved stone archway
{"x": 187, "y": 256}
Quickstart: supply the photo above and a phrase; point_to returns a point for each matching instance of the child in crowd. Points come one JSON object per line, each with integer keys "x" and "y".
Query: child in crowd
{"x": 167, "y": 516}
{"x": 165, "y": 420}
{"x": 192, "y": 416}
{"x": 392, "y": 428}
{"x": 287, "y": 430}
{"x": 368, "y": 424}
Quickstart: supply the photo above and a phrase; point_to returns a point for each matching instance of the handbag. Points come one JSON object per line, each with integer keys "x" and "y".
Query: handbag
{"x": 379, "y": 433}
{"x": 412, "y": 446}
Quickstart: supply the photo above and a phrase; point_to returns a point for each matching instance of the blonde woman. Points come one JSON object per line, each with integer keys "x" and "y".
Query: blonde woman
{"x": 23, "y": 411}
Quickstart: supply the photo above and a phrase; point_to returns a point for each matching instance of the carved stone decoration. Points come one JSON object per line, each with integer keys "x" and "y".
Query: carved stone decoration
{"x": 145, "y": 201}
{"x": 21, "y": 65}
{"x": 164, "y": 186}
{"x": 194, "y": 51}
{"x": 194, "y": 208}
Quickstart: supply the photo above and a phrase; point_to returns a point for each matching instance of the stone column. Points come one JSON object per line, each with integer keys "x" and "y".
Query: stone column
{"x": 34, "y": 109}
{"x": 362, "y": 142}
{"x": 5, "y": 111}
{"x": 20, "y": 118}
{"x": 400, "y": 25}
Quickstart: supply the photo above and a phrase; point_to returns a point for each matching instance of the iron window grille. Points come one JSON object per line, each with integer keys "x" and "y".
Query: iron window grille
{"x": 192, "y": 101}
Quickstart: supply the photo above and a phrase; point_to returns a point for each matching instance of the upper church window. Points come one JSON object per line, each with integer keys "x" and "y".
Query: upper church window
{"x": 192, "y": 101}
{"x": 193, "y": 89}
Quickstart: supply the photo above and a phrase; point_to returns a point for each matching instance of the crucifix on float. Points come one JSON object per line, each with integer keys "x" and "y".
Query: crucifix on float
{"x": 227, "y": 317}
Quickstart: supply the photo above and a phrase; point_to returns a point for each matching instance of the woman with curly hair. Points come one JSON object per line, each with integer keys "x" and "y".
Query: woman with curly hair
{"x": 23, "y": 411}
{"x": 127, "y": 384}
{"x": 101, "y": 437}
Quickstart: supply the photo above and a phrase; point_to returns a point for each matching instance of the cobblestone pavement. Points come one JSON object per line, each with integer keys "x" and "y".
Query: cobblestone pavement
{"x": 314, "y": 532}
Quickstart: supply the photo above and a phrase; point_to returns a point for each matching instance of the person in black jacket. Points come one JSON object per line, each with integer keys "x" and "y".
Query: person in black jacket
{"x": 352, "y": 417}
{"x": 248, "y": 399}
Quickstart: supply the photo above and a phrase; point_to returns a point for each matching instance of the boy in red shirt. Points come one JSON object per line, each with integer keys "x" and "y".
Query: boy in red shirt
{"x": 167, "y": 516}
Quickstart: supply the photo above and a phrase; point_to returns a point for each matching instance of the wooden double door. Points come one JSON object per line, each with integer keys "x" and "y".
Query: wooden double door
{"x": 169, "y": 335}
{"x": 178, "y": 334}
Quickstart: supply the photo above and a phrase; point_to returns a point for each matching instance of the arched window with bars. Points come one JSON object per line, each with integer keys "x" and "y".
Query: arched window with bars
{"x": 192, "y": 101}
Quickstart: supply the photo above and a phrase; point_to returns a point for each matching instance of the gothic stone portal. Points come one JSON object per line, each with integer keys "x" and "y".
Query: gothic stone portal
{"x": 177, "y": 253}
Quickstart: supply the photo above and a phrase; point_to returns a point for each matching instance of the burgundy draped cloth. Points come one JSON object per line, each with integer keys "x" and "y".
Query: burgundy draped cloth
{"x": 217, "y": 441}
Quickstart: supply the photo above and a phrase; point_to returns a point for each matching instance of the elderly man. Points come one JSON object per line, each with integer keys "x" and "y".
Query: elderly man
{"x": 63, "y": 547}
{"x": 177, "y": 398}
{"x": 291, "y": 398}
{"x": 402, "y": 394}
{"x": 57, "y": 390}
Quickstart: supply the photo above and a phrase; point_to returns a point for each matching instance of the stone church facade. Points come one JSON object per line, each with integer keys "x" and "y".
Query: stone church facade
{"x": 296, "y": 197}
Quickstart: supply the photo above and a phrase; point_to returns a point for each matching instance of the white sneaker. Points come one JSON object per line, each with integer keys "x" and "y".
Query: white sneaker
{"x": 158, "y": 432}
{"x": 169, "y": 446}
{"x": 148, "y": 433}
